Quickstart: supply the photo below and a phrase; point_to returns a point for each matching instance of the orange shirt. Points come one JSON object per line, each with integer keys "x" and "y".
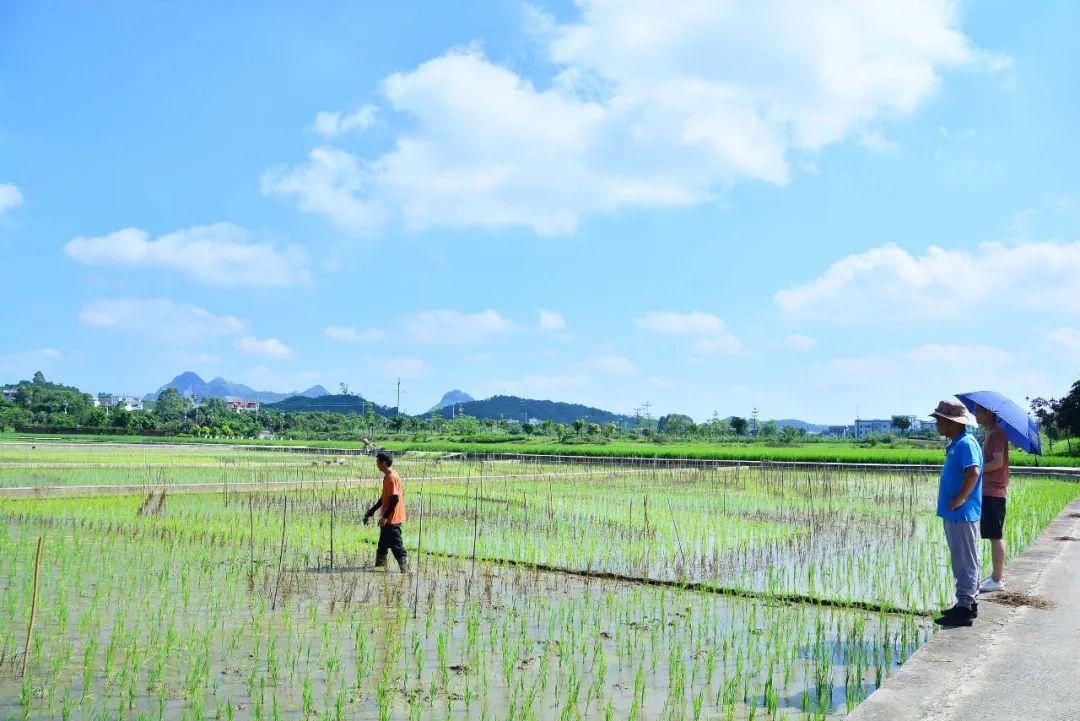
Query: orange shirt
{"x": 996, "y": 483}
{"x": 391, "y": 486}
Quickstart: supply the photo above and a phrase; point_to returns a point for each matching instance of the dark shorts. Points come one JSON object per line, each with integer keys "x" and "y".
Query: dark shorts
{"x": 993, "y": 518}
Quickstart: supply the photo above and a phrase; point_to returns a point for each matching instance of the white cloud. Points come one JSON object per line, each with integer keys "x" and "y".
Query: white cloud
{"x": 652, "y": 105}
{"x": 332, "y": 183}
{"x": 911, "y": 380}
{"x": 671, "y": 323}
{"x": 28, "y": 361}
{"x": 218, "y": 254}
{"x": 945, "y": 354}
{"x": 451, "y": 326}
{"x": 399, "y": 367}
{"x": 160, "y": 319}
{"x": 333, "y": 124}
{"x": 797, "y": 341}
{"x": 876, "y": 141}
{"x": 190, "y": 360}
{"x": 551, "y": 320}
{"x": 1065, "y": 339}
{"x": 609, "y": 364}
{"x": 270, "y": 347}
{"x": 10, "y": 197}
{"x": 725, "y": 343}
{"x": 712, "y": 333}
{"x": 347, "y": 334}
{"x": 547, "y": 386}
{"x": 889, "y": 283}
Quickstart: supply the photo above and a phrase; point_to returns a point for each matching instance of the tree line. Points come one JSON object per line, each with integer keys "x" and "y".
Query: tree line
{"x": 41, "y": 404}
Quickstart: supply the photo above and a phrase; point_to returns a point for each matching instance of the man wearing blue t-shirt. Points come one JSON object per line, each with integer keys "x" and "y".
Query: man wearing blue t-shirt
{"x": 960, "y": 507}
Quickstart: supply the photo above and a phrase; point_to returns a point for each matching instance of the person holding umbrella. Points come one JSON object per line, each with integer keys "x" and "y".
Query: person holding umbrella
{"x": 1005, "y": 422}
{"x": 960, "y": 507}
{"x": 995, "y": 448}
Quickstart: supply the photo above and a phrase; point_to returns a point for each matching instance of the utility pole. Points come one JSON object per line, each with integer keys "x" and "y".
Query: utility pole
{"x": 398, "y": 407}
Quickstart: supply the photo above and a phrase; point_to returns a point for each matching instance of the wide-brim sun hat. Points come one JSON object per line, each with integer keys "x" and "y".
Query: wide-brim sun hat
{"x": 953, "y": 410}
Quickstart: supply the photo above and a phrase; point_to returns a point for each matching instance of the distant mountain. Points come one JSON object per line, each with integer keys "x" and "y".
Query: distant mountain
{"x": 327, "y": 403}
{"x": 522, "y": 409}
{"x": 452, "y": 398}
{"x": 804, "y": 425}
{"x": 190, "y": 384}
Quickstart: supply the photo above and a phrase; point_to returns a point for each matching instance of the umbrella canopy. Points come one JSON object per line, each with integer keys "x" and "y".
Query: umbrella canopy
{"x": 1017, "y": 424}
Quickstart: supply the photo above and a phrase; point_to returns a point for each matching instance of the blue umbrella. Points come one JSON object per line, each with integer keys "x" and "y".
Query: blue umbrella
{"x": 1017, "y": 424}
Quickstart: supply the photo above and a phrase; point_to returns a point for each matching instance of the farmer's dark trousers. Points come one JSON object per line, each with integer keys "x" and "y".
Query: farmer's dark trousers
{"x": 390, "y": 541}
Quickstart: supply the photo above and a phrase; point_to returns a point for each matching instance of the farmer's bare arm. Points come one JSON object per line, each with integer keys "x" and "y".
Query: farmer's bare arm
{"x": 971, "y": 477}
{"x": 996, "y": 462}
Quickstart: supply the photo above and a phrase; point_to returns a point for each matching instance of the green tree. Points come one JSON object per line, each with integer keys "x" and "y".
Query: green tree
{"x": 739, "y": 425}
{"x": 1045, "y": 412}
{"x": 673, "y": 424}
{"x": 1067, "y": 414}
{"x": 171, "y": 406}
{"x": 901, "y": 424}
{"x": 579, "y": 425}
{"x": 770, "y": 429}
{"x": 790, "y": 434}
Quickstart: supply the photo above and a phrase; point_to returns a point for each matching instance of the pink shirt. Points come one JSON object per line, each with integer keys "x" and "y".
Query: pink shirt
{"x": 996, "y": 482}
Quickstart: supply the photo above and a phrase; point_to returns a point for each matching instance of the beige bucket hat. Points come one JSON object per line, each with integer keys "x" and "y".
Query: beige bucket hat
{"x": 953, "y": 410}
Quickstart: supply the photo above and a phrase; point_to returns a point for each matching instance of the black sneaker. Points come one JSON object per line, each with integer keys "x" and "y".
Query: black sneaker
{"x": 956, "y": 616}
{"x": 974, "y": 610}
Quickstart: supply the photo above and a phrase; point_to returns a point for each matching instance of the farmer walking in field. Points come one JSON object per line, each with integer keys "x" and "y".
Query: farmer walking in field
{"x": 995, "y": 450}
{"x": 391, "y": 505}
{"x": 960, "y": 507}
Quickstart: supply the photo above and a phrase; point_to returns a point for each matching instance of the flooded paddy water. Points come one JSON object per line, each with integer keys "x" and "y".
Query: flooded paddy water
{"x": 744, "y": 593}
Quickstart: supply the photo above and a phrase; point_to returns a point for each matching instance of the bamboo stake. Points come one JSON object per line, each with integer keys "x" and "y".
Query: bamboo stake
{"x": 281, "y": 554}
{"x": 676, "y": 527}
{"x": 251, "y": 533}
{"x": 33, "y": 606}
{"x": 419, "y": 542}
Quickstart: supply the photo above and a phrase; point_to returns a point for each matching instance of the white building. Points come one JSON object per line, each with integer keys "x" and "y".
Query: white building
{"x": 872, "y": 427}
{"x": 10, "y": 393}
{"x": 837, "y": 431}
{"x": 128, "y": 403}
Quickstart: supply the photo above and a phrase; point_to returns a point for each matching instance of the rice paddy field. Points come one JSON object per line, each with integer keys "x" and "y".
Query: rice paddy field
{"x": 223, "y": 583}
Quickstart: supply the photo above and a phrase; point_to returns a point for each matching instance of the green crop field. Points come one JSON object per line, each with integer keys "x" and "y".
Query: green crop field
{"x": 545, "y": 590}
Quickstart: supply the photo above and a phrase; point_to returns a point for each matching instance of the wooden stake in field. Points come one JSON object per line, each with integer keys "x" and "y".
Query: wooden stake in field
{"x": 33, "y": 606}
{"x": 475, "y": 529}
{"x": 281, "y": 554}
{"x": 419, "y": 546}
{"x": 251, "y": 532}
{"x": 676, "y": 527}
{"x": 333, "y": 498}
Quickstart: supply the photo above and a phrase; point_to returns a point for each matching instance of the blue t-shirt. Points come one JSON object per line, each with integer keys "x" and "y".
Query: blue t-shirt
{"x": 960, "y": 455}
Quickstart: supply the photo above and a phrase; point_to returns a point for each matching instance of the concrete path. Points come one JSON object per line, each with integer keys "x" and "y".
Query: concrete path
{"x": 1018, "y": 663}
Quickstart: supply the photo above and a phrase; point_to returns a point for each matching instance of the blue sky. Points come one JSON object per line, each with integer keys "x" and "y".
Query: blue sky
{"x": 814, "y": 209}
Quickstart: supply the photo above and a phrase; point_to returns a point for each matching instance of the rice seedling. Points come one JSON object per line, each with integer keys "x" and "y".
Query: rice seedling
{"x": 548, "y": 591}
